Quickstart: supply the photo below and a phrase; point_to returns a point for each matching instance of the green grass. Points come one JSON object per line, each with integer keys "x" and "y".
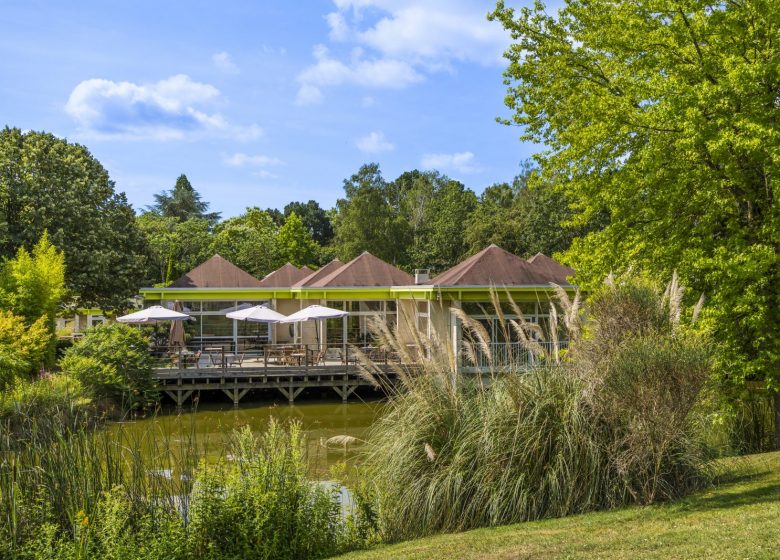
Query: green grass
{"x": 738, "y": 518}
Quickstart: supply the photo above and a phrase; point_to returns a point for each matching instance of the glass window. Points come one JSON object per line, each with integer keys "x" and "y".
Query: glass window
{"x": 216, "y": 325}
{"x": 336, "y": 304}
{"x": 218, "y": 306}
{"x": 391, "y": 306}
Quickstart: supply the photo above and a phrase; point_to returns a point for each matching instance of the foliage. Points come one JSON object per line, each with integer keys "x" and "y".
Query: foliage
{"x": 365, "y": 219}
{"x": 249, "y": 241}
{"x": 295, "y": 244}
{"x": 32, "y": 286}
{"x": 435, "y": 209}
{"x": 529, "y": 216}
{"x": 183, "y": 203}
{"x": 263, "y": 505}
{"x": 113, "y": 361}
{"x": 104, "y": 494}
{"x": 610, "y": 426}
{"x": 48, "y": 184}
{"x": 665, "y": 114}
{"x": 315, "y": 219}
{"x": 42, "y": 396}
{"x": 23, "y": 347}
{"x": 175, "y": 246}
{"x": 415, "y": 221}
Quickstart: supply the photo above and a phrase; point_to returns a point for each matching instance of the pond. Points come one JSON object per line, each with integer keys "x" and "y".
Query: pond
{"x": 211, "y": 424}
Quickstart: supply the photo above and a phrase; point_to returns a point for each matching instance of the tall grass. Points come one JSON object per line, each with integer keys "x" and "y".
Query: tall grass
{"x": 607, "y": 423}
{"x": 70, "y": 491}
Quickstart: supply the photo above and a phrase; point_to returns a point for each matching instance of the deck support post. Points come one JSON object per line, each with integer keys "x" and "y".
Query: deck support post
{"x": 344, "y": 392}
{"x": 235, "y": 394}
{"x": 179, "y": 396}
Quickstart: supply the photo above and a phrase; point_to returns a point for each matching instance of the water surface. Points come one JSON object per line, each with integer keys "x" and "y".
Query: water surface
{"x": 211, "y": 424}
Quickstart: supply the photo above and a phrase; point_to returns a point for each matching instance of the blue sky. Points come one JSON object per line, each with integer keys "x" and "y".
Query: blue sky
{"x": 261, "y": 103}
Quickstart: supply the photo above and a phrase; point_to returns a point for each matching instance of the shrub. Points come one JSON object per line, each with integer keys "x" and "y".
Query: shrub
{"x": 46, "y": 395}
{"x": 113, "y": 361}
{"x": 611, "y": 424}
{"x": 22, "y": 347}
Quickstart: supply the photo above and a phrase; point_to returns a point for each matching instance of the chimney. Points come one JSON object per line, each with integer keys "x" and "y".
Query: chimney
{"x": 422, "y": 275}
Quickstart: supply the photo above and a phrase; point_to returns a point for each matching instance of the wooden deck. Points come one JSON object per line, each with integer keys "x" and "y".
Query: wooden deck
{"x": 185, "y": 383}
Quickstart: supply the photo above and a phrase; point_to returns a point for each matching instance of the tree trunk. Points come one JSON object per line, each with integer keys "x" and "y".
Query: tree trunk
{"x": 777, "y": 419}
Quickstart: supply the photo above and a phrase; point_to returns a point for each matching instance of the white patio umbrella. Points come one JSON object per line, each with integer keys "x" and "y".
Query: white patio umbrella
{"x": 257, "y": 314}
{"x": 315, "y": 313}
{"x": 153, "y": 314}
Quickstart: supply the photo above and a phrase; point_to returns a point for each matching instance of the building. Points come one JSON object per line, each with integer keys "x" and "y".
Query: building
{"x": 369, "y": 289}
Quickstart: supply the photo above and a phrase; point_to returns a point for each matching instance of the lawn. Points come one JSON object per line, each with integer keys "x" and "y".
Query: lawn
{"x": 739, "y": 518}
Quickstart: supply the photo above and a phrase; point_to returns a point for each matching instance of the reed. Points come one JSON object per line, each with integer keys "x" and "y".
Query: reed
{"x": 69, "y": 490}
{"x": 607, "y": 423}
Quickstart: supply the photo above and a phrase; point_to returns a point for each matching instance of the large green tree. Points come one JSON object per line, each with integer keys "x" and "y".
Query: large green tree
{"x": 47, "y": 183}
{"x": 174, "y": 246}
{"x": 314, "y": 218}
{"x": 529, "y": 216}
{"x": 295, "y": 244}
{"x": 666, "y": 114}
{"x": 249, "y": 241}
{"x": 183, "y": 202}
{"x": 366, "y": 219}
{"x": 435, "y": 209}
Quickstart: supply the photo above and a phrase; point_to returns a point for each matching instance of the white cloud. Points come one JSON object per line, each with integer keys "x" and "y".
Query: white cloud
{"x": 405, "y": 40}
{"x": 374, "y": 73}
{"x": 462, "y": 162}
{"x": 374, "y": 143}
{"x": 223, "y": 62}
{"x": 241, "y": 160}
{"x": 171, "y": 109}
{"x": 367, "y": 102}
{"x": 308, "y": 95}
{"x": 339, "y": 29}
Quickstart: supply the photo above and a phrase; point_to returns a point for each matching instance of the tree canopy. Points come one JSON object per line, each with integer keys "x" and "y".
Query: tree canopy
{"x": 182, "y": 202}
{"x": 666, "y": 115}
{"x": 49, "y": 184}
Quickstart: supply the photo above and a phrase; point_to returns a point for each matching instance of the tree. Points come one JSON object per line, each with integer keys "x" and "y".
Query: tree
{"x": 49, "y": 184}
{"x": 249, "y": 241}
{"x": 366, "y": 221}
{"x": 314, "y": 218}
{"x": 435, "y": 209}
{"x": 666, "y": 115}
{"x": 183, "y": 202}
{"x": 174, "y": 246}
{"x": 295, "y": 243}
{"x": 33, "y": 285}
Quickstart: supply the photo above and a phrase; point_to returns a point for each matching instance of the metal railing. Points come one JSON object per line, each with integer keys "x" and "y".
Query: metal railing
{"x": 268, "y": 357}
{"x": 511, "y": 354}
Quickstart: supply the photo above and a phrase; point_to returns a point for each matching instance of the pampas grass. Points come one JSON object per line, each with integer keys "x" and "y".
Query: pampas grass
{"x": 606, "y": 424}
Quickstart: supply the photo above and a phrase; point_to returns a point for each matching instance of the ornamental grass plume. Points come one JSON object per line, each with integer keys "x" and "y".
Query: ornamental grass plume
{"x": 604, "y": 424}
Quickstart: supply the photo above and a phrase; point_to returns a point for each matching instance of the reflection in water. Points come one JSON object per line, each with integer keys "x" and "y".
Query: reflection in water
{"x": 211, "y": 425}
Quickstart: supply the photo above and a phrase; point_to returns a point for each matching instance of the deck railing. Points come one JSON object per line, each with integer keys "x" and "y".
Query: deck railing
{"x": 268, "y": 356}
{"x": 510, "y": 354}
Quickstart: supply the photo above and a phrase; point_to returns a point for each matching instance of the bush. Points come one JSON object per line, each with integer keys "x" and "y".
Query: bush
{"x": 610, "y": 425}
{"x": 113, "y": 361}
{"x": 22, "y": 347}
{"x": 46, "y": 395}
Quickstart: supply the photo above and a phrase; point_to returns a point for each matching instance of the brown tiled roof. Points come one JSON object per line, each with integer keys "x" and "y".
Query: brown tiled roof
{"x": 306, "y": 269}
{"x": 364, "y": 270}
{"x": 333, "y": 265}
{"x": 495, "y": 266}
{"x": 283, "y": 277}
{"x": 216, "y": 272}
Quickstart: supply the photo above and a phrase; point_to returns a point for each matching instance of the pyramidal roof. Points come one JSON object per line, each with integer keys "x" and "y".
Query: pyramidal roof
{"x": 333, "y": 265}
{"x": 217, "y": 272}
{"x": 284, "y": 277}
{"x": 365, "y": 270}
{"x": 495, "y": 266}
{"x": 306, "y": 269}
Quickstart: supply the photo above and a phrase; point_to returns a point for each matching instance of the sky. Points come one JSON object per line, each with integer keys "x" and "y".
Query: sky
{"x": 261, "y": 103}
